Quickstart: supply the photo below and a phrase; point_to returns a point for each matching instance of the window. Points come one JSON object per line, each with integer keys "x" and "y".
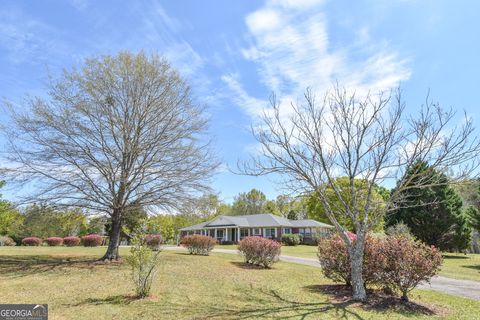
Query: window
{"x": 287, "y": 230}
{"x": 307, "y": 232}
{"x": 220, "y": 234}
{"x": 301, "y": 230}
{"x": 257, "y": 232}
{"x": 270, "y": 233}
{"x": 243, "y": 233}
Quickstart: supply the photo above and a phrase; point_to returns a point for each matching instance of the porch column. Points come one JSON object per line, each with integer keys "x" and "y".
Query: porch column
{"x": 215, "y": 233}
{"x": 238, "y": 234}
{"x": 226, "y": 234}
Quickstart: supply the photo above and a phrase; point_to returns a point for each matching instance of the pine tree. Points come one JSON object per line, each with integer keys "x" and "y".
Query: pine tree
{"x": 434, "y": 214}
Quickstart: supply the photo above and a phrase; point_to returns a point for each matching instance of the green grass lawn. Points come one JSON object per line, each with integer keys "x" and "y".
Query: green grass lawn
{"x": 457, "y": 266}
{"x": 460, "y": 266}
{"x": 219, "y": 286}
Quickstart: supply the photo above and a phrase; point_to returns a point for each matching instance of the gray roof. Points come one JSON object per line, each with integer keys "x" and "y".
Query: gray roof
{"x": 257, "y": 221}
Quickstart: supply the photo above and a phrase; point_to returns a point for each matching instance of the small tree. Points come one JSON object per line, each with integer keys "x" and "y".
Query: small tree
{"x": 143, "y": 261}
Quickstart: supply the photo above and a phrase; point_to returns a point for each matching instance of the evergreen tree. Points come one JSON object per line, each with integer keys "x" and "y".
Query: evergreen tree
{"x": 434, "y": 214}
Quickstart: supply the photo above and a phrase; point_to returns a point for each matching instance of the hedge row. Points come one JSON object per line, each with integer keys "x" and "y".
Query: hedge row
{"x": 91, "y": 240}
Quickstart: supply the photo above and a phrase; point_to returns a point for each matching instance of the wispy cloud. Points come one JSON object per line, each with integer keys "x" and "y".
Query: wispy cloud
{"x": 291, "y": 45}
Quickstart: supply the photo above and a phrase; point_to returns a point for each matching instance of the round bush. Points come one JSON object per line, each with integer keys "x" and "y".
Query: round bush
{"x": 154, "y": 241}
{"x": 335, "y": 262}
{"x": 260, "y": 251}
{"x": 32, "y": 241}
{"x": 54, "y": 241}
{"x": 407, "y": 263}
{"x": 7, "y": 241}
{"x": 398, "y": 262}
{"x": 71, "y": 241}
{"x": 92, "y": 240}
{"x": 291, "y": 239}
{"x": 198, "y": 244}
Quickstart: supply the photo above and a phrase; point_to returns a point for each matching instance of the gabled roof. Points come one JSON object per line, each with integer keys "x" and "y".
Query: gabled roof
{"x": 257, "y": 221}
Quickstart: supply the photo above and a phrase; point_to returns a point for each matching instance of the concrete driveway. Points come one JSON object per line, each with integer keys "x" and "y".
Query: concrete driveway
{"x": 463, "y": 288}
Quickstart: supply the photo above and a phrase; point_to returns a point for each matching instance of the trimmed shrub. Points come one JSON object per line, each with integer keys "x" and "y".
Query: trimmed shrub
{"x": 198, "y": 244}
{"x": 335, "y": 262}
{"x": 399, "y": 262}
{"x": 32, "y": 241}
{"x": 333, "y": 256}
{"x": 408, "y": 262}
{"x": 54, "y": 241}
{"x": 92, "y": 240}
{"x": 291, "y": 239}
{"x": 260, "y": 251}
{"x": 153, "y": 241}
{"x": 7, "y": 241}
{"x": 71, "y": 241}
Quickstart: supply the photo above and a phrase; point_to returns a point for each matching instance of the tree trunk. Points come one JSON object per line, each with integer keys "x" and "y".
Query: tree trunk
{"x": 356, "y": 265}
{"x": 114, "y": 242}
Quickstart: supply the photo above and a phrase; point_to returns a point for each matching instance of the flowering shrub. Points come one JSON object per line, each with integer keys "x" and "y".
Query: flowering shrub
{"x": 291, "y": 239}
{"x": 7, "y": 241}
{"x": 407, "y": 263}
{"x": 32, "y": 241}
{"x": 54, "y": 241}
{"x": 71, "y": 241}
{"x": 259, "y": 251}
{"x": 333, "y": 256}
{"x": 397, "y": 262}
{"x": 92, "y": 240}
{"x": 153, "y": 241}
{"x": 198, "y": 244}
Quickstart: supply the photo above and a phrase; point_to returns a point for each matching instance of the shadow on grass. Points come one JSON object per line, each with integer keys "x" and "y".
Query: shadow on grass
{"x": 20, "y": 266}
{"x": 376, "y": 301}
{"x": 112, "y": 300}
{"x": 448, "y": 257}
{"x": 248, "y": 266}
{"x": 255, "y": 304}
{"x": 474, "y": 267}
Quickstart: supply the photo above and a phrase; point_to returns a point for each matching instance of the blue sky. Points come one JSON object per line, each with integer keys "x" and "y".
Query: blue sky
{"x": 235, "y": 53}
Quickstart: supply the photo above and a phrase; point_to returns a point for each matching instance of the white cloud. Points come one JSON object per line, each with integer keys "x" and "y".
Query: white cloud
{"x": 292, "y": 50}
{"x": 252, "y": 105}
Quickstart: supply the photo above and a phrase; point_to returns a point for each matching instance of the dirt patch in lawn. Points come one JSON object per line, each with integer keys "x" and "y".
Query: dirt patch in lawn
{"x": 378, "y": 301}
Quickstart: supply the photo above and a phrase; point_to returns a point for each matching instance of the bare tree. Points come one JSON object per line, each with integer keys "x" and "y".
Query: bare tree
{"x": 360, "y": 137}
{"x": 121, "y": 130}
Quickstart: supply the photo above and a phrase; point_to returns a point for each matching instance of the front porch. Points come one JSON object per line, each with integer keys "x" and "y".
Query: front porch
{"x": 235, "y": 234}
